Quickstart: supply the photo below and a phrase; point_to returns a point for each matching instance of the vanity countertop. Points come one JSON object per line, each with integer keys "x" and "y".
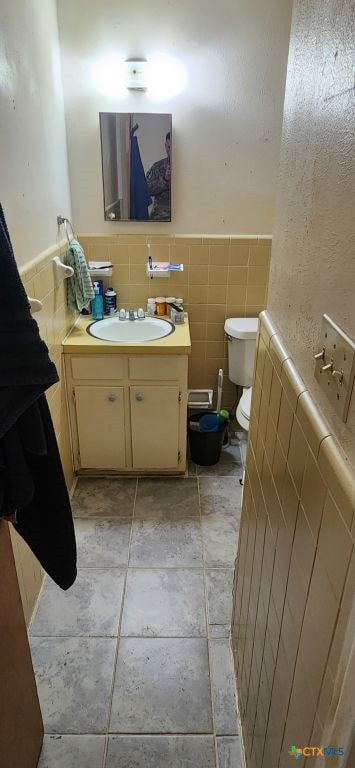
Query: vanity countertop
{"x": 79, "y": 341}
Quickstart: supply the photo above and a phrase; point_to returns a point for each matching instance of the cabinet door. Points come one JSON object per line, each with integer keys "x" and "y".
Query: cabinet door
{"x": 155, "y": 415}
{"x": 101, "y": 427}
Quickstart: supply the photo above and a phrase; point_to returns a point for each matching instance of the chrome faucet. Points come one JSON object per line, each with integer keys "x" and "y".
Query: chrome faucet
{"x": 131, "y": 315}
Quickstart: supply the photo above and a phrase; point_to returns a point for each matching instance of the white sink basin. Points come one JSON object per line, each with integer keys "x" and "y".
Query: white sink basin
{"x": 130, "y": 331}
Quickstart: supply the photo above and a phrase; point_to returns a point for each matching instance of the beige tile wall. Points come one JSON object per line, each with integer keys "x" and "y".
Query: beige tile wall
{"x": 295, "y": 573}
{"x": 223, "y": 277}
{"x": 54, "y": 321}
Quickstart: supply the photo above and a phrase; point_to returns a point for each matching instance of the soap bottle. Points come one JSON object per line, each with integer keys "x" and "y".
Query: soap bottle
{"x": 97, "y": 303}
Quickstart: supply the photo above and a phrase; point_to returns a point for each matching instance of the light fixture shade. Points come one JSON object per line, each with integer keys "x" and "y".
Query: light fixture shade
{"x": 136, "y": 74}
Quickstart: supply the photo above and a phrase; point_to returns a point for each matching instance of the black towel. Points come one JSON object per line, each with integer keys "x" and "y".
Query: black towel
{"x": 32, "y": 484}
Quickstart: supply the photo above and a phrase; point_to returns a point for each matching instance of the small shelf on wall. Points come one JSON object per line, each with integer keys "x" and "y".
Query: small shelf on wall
{"x": 100, "y": 272}
{"x": 162, "y": 268}
{"x": 100, "y": 268}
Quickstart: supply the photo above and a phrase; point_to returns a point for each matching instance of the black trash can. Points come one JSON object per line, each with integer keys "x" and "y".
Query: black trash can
{"x": 205, "y": 447}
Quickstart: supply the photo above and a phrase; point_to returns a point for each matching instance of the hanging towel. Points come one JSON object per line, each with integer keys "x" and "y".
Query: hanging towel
{"x": 44, "y": 519}
{"x": 80, "y": 290}
{"x": 25, "y": 368}
{"x": 33, "y": 492}
{"x": 140, "y": 197}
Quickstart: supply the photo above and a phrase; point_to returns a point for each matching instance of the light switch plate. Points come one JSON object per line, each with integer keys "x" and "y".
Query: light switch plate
{"x": 339, "y": 354}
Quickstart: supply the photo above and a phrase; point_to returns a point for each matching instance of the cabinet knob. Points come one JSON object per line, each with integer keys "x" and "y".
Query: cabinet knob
{"x": 112, "y": 398}
{"x": 139, "y": 397}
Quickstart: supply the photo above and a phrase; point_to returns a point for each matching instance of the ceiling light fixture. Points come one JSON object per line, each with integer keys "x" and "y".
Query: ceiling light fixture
{"x": 136, "y": 75}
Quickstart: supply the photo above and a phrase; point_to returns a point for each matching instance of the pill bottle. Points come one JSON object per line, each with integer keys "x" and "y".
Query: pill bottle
{"x": 151, "y": 307}
{"x": 160, "y": 305}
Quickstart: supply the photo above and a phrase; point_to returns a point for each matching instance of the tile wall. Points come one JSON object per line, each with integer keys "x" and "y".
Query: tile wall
{"x": 223, "y": 277}
{"x": 295, "y": 574}
{"x": 54, "y": 321}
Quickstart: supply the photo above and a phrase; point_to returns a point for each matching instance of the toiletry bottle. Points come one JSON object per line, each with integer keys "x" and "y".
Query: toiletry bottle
{"x": 97, "y": 303}
{"x": 151, "y": 307}
{"x": 110, "y": 301}
{"x": 160, "y": 305}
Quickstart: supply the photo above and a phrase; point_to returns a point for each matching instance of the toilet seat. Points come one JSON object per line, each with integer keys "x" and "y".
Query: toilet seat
{"x": 243, "y": 408}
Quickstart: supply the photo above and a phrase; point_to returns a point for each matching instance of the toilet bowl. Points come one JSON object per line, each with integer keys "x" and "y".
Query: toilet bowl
{"x": 243, "y": 408}
{"x": 241, "y": 333}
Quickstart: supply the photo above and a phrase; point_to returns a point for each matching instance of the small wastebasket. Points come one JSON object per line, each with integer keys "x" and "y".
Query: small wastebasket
{"x": 205, "y": 447}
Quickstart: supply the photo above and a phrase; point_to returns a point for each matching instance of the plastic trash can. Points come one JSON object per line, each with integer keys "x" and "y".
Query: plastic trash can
{"x": 205, "y": 447}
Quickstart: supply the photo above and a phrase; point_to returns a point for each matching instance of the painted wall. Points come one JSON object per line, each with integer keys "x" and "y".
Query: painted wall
{"x": 313, "y": 244}
{"x": 227, "y": 110}
{"x": 33, "y": 156}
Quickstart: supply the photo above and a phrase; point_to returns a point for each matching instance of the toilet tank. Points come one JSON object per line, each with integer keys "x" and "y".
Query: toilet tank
{"x": 241, "y": 332}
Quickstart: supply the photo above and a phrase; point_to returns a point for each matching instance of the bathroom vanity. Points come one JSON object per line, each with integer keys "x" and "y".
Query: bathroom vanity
{"x": 127, "y": 402}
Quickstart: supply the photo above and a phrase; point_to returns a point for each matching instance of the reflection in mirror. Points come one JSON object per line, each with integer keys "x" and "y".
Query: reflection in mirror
{"x": 136, "y": 166}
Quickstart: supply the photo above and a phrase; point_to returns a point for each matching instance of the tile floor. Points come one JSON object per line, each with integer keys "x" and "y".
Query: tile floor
{"x": 133, "y": 664}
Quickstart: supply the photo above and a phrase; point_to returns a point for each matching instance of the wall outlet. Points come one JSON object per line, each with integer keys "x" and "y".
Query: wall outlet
{"x": 335, "y": 368}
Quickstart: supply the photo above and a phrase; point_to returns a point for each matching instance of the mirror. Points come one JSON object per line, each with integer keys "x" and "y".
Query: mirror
{"x": 136, "y": 166}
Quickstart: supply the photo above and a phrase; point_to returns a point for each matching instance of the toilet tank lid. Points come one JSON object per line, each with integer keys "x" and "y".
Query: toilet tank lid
{"x": 242, "y": 327}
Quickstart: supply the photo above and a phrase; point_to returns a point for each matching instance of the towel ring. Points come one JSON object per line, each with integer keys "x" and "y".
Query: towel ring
{"x": 63, "y": 220}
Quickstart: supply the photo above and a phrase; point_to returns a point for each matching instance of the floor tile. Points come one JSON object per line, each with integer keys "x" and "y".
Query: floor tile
{"x": 104, "y": 497}
{"x": 222, "y": 495}
{"x": 161, "y": 686}
{"x": 191, "y": 468}
{"x": 230, "y": 463}
{"x": 219, "y": 583}
{"x": 91, "y": 607}
{"x": 220, "y": 539}
{"x": 165, "y": 603}
{"x": 102, "y": 543}
{"x": 164, "y": 543}
{"x": 160, "y": 752}
{"x": 223, "y": 688}
{"x": 229, "y": 752}
{"x": 72, "y": 752}
{"x": 171, "y": 497}
{"x": 74, "y": 677}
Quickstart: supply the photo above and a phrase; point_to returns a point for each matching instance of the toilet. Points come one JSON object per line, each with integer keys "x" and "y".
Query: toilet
{"x": 241, "y": 333}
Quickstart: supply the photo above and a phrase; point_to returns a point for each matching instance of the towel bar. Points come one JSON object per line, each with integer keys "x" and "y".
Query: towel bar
{"x": 63, "y": 220}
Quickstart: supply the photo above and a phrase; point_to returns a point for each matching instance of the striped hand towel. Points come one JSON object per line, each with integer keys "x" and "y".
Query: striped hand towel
{"x": 80, "y": 290}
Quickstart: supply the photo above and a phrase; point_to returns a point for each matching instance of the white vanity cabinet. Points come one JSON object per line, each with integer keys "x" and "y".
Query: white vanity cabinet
{"x": 100, "y": 424}
{"x": 127, "y": 412}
